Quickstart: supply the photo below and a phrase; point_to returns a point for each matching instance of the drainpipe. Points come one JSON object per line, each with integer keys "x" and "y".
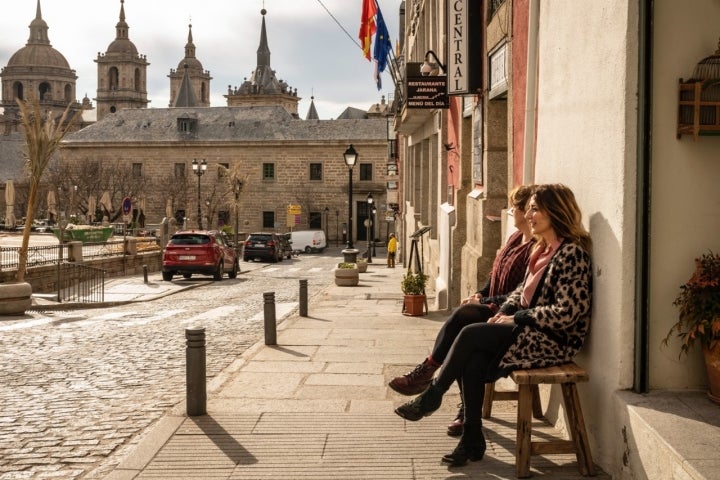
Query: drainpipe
{"x": 531, "y": 94}
{"x": 644, "y": 161}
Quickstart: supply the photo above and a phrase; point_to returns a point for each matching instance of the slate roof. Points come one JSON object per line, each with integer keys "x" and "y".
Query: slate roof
{"x": 224, "y": 124}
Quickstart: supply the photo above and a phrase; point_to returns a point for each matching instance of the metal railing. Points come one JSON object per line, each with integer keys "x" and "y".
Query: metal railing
{"x": 37, "y": 256}
{"x": 81, "y": 283}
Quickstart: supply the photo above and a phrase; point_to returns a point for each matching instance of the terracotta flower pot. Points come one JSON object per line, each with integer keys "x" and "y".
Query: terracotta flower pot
{"x": 414, "y": 305}
{"x": 15, "y": 298}
{"x": 712, "y": 364}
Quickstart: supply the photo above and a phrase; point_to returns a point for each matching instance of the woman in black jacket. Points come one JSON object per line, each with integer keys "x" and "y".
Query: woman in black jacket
{"x": 542, "y": 323}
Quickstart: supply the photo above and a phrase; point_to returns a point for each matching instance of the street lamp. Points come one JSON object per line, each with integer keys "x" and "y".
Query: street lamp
{"x": 199, "y": 170}
{"x": 350, "y": 156}
{"x": 207, "y": 211}
{"x": 237, "y": 188}
{"x": 369, "y": 222}
{"x": 327, "y": 221}
{"x": 372, "y": 230}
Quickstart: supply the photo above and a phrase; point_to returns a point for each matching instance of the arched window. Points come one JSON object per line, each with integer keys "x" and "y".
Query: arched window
{"x": 203, "y": 92}
{"x": 68, "y": 93}
{"x": 113, "y": 78}
{"x": 45, "y": 91}
{"x": 137, "y": 80}
{"x": 18, "y": 91}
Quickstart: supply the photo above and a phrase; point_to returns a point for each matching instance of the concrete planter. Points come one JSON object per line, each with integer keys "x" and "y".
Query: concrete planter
{"x": 362, "y": 267}
{"x": 347, "y": 277}
{"x": 15, "y": 298}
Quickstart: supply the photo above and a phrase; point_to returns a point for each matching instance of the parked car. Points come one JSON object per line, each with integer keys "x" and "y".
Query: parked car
{"x": 199, "y": 251}
{"x": 308, "y": 241}
{"x": 263, "y": 245}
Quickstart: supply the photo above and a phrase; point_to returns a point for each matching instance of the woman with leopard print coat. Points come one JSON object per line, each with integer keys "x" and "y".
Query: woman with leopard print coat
{"x": 542, "y": 323}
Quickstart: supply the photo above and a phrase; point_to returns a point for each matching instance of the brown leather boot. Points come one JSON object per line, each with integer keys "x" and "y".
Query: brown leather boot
{"x": 415, "y": 381}
{"x": 455, "y": 429}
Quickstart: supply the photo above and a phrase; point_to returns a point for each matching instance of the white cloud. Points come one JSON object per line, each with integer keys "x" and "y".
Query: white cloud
{"x": 308, "y": 49}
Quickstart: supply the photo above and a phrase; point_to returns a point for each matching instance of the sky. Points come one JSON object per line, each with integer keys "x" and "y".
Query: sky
{"x": 309, "y": 50}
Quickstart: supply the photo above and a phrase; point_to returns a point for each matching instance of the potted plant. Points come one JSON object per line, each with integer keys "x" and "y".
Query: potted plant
{"x": 43, "y": 134}
{"x": 362, "y": 264}
{"x": 347, "y": 274}
{"x": 699, "y": 317}
{"x": 413, "y": 286}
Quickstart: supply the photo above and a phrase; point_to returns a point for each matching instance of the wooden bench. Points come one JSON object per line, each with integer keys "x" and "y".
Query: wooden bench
{"x": 528, "y": 398}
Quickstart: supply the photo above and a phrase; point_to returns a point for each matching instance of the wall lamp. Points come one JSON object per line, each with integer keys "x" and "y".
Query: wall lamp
{"x": 431, "y": 68}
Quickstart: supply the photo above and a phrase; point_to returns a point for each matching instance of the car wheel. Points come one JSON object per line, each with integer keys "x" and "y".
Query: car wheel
{"x": 246, "y": 259}
{"x": 187, "y": 275}
{"x": 234, "y": 272}
{"x": 308, "y": 249}
{"x": 218, "y": 272}
{"x": 167, "y": 276}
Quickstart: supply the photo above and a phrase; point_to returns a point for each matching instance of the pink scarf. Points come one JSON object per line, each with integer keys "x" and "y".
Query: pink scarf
{"x": 539, "y": 260}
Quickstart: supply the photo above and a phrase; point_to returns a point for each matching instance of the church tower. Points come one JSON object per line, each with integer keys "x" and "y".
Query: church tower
{"x": 38, "y": 71}
{"x": 122, "y": 73}
{"x": 263, "y": 87}
{"x": 199, "y": 78}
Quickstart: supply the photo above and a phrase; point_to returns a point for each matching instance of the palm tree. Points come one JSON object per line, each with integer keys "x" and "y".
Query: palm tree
{"x": 43, "y": 134}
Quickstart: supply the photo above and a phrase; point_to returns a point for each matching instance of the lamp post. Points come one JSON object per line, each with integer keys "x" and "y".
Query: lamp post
{"x": 327, "y": 226}
{"x": 237, "y": 188}
{"x": 350, "y": 156}
{"x": 207, "y": 210}
{"x": 199, "y": 170}
{"x": 369, "y": 223}
{"x": 372, "y": 230}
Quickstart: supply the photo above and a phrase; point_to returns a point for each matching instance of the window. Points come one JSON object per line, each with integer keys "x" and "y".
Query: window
{"x": 366, "y": 171}
{"x": 222, "y": 172}
{"x": 268, "y": 171}
{"x": 268, "y": 220}
{"x": 137, "y": 170}
{"x": 315, "y": 220}
{"x": 179, "y": 170}
{"x": 186, "y": 125}
{"x": 316, "y": 171}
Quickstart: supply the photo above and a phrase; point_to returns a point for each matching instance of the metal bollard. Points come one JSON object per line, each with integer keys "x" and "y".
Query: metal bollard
{"x": 196, "y": 398}
{"x": 270, "y": 322}
{"x": 145, "y": 279}
{"x": 303, "y": 298}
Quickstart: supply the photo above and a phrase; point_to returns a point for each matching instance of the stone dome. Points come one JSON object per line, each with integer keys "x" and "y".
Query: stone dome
{"x": 38, "y": 55}
{"x": 192, "y": 64}
{"x": 122, "y": 45}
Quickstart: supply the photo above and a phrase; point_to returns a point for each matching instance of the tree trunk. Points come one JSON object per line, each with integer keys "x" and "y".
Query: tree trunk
{"x": 29, "y": 215}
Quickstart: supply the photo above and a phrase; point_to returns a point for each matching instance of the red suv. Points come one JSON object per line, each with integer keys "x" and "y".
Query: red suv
{"x": 199, "y": 251}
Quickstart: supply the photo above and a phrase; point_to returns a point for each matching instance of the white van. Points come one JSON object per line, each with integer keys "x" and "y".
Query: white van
{"x": 308, "y": 241}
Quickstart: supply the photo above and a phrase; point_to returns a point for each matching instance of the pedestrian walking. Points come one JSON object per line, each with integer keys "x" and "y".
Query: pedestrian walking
{"x": 391, "y": 251}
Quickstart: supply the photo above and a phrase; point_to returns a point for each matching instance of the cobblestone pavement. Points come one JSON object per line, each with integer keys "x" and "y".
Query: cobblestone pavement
{"x": 80, "y": 386}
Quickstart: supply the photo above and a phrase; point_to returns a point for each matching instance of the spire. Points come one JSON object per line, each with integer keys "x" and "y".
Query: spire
{"x": 185, "y": 96}
{"x": 121, "y": 29}
{"x": 312, "y": 112}
{"x": 38, "y": 29}
{"x": 263, "y": 51}
{"x": 190, "y": 46}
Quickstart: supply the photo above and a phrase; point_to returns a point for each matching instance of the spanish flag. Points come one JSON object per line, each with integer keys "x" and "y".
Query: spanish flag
{"x": 367, "y": 25}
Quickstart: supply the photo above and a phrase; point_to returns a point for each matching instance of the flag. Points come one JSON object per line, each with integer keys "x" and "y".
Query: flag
{"x": 367, "y": 25}
{"x": 381, "y": 49}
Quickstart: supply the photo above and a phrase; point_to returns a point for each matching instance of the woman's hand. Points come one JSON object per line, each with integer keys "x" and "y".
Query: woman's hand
{"x": 474, "y": 298}
{"x": 500, "y": 318}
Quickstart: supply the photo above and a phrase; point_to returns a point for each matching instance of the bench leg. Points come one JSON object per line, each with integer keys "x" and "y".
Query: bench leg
{"x": 536, "y": 406}
{"x": 577, "y": 430}
{"x": 524, "y": 431}
{"x": 488, "y": 399}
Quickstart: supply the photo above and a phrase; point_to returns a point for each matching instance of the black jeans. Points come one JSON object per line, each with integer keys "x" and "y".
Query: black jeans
{"x": 473, "y": 356}
{"x": 460, "y": 318}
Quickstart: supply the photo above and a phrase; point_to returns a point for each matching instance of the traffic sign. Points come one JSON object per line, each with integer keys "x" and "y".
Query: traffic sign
{"x": 126, "y": 205}
{"x": 294, "y": 209}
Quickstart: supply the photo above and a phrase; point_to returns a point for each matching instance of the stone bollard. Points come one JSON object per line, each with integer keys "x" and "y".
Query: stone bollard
{"x": 303, "y": 298}
{"x": 196, "y": 398}
{"x": 145, "y": 274}
{"x": 270, "y": 322}
{"x": 350, "y": 255}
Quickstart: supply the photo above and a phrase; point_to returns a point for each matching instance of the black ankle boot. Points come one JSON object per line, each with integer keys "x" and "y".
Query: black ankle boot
{"x": 471, "y": 447}
{"x": 422, "y": 406}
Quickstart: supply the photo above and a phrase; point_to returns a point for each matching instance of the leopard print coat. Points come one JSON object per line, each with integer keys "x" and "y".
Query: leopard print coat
{"x": 553, "y": 329}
